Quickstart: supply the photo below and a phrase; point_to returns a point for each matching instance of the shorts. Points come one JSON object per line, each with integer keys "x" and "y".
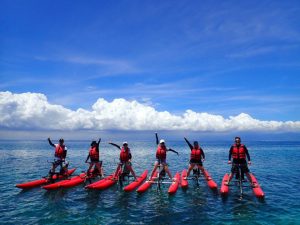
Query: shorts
{"x": 126, "y": 163}
{"x": 198, "y": 162}
{"x": 244, "y": 168}
{"x": 161, "y": 161}
{"x": 95, "y": 160}
{"x": 58, "y": 162}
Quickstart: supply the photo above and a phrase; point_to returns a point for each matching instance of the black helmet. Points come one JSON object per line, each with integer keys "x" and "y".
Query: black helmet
{"x": 93, "y": 143}
{"x": 61, "y": 140}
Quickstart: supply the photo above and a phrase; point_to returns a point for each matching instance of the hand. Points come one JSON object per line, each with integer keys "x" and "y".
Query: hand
{"x": 249, "y": 163}
{"x": 177, "y": 153}
{"x": 203, "y": 160}
{"x": 48, "y": 138}
{"x": 229, "y": 162}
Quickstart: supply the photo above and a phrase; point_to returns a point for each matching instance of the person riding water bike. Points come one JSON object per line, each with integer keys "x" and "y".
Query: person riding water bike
{"x": 125, "y": 159}
{"x": 239, "y": 152}
{"x": 197, "y": 156}
{"x": 94, "y": 156}
{"x": 60, "y": 155}
{"x": 161, "y": 156}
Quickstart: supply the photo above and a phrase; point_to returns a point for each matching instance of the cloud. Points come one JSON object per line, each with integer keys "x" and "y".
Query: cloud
{"x": 33, "y": 111}
{"x": 109, "y": 66}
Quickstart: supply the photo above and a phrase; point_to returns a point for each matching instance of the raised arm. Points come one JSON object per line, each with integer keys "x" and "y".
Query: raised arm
{"x": 50, "y": 143}
{"x": 156, "y": 136}
{"x": 202, "y": 153}
{"x": 98, "y": 143}
{"x": 189, "y": 144}
{"x": 115, "y": 145}
{"x": 171, "y": 150}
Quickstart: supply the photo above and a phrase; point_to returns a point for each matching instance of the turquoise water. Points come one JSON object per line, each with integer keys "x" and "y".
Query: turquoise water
{"x": 275, "y": 164}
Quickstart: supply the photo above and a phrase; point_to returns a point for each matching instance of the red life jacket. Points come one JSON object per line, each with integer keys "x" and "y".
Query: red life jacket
{"x": 124, "y": 154}
{"x": 94, "y": 154}
{"x": 60, "y": 151}
{"x": 196, "y": 154}
{"x": 161, "y": 153}
{"x": 238, "y": 152}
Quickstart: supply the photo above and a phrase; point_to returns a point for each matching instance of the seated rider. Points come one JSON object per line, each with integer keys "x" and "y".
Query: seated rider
{"x": 239, "y": 152}
{"x": 197, "y": 156}
{"x": 94, "y": 156}
{"x": 125, "y": 159}
{"x": 161, "y": 156}
{"x": 60, "y": 156}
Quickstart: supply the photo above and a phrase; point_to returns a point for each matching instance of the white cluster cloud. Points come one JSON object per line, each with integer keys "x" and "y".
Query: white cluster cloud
{"x": 33, "y": 111}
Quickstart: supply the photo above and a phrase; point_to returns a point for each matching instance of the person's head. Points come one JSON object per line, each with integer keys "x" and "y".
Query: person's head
{"x": 61, "y": 141}
{"x": 94, "y": 143}
{"x": 237, "y": 140}
{"x": 125, "y": 144}
{"x": 196, "y": 144}
{"x": 162, "y": 142}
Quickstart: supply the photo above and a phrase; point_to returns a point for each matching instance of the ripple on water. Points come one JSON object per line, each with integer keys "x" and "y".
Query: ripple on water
{"x": 197, "y": 205}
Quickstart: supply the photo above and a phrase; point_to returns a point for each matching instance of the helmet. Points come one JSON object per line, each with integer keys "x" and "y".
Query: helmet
{"x": 196, "y": 143}
{"x": 125, "y": 143}
{"x": 161, "y": 141}
{"x": 61, "y": 140}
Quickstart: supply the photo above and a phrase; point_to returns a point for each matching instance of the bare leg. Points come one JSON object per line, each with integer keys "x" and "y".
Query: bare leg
{"x": 201, "y": 168}
{"x": 191, "y": 166}
{"x": 89, "y": 169}
{"x": 229, "y": 178}
{"x": 99, "y": 168}
{"x": 117, "y": 171}
{"x": 131, "y": 170}
{"x": 168, "y": 171}
{"x": 154, "y": 169}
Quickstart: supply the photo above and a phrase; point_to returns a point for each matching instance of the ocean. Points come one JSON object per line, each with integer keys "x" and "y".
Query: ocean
{"x": 275, "y": 164}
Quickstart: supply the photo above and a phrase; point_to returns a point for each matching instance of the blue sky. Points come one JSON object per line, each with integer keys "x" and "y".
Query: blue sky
{"x": 219, "y": 57}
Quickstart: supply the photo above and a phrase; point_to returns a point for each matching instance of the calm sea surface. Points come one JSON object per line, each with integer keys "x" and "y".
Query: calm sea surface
{"x": 275, "y": 164}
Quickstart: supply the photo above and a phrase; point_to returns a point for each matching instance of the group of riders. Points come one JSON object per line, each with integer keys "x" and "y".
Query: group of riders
{"x": 238, "y": 154}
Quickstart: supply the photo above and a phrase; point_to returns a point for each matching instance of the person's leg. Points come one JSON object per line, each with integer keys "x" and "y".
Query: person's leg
{"x": 154, "y": 169}
{"x": 88, "y": 172}
{"x": 65, "y": 165}
{"x": 129, "y": 167}
{"x": 116, "y": 174}
{"x": 191, "y": 166}
{"x": 246, "y": 171}
{"x": 233, "y": 171}
{"x": 55, "y": 164}
{"x": 167, "y": 170}
{"x": 201, "y": 168}
{"x": 99, "y": 168}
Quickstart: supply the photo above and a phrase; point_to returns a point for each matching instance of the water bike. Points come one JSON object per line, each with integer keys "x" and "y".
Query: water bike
{"x": 240, "y": 182}
{"x": 196, "y": 176}
{"x": 121, "y": 176}
{"x": 159, "y": 179}
{"x": 52, "y": 177}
